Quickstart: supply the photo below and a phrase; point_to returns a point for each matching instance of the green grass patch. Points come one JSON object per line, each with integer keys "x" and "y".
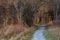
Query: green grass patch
{"x": 52, "y": 33}
{"x": 48, "y": 36}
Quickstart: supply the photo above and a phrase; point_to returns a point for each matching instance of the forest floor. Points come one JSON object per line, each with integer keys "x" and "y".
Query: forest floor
{"x": 12, "y": 33}
{"x": 52, "y": 33}
{"x": 11, "y": 30}
{"x": 26, "y": 33}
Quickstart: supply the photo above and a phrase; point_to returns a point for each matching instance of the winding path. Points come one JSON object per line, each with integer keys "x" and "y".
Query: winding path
{"x": 38, "y": 35}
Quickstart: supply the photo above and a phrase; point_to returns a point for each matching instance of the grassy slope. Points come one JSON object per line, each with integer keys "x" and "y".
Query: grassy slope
{"x": 52, "y": 33}
{"x": 27, "y": 35}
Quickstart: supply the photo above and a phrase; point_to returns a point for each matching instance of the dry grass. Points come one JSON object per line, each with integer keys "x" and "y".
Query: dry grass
{"x": 24, "y": 35}
{"x": 11, "y": 30}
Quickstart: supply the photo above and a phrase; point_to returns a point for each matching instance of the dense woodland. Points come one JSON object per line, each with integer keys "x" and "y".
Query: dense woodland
{"x": 28, "y": 12}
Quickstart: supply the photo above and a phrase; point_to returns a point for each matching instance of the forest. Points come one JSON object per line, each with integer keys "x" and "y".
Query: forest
{"x": 18, "y": 15}
{"x": 20, "y": 11}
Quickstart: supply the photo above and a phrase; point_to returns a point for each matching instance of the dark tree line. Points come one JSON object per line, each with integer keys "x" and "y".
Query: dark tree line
{"x": 25, "y": 12}
{"x": 28, "y": 14}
